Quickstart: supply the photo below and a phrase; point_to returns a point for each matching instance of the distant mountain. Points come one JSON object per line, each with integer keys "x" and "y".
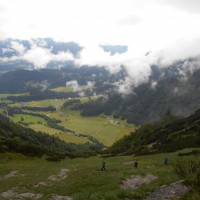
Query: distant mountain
{"x": 113, "y": 49}
{"x": 167, "y": 135}
{"x": 20, "y": 81}
{"x": 148, "y": 103}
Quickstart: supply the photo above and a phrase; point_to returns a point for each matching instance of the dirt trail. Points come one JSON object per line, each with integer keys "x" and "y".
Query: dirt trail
{"x": 135, "y": 181}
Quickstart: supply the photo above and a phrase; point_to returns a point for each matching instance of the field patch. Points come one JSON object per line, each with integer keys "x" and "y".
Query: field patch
{"x": 67, "y": 137}
{"x": 62, "y": 89}
{"x": 29, "y": 119}
{"x": 10, "y": 95}
{"x": 98, "y": 127}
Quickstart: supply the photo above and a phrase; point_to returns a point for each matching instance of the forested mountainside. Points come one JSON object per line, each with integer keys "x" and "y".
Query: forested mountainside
{"x": 166, "y": 90}
{"x": 147, "y": 103}
{"x": 167, "y": 135}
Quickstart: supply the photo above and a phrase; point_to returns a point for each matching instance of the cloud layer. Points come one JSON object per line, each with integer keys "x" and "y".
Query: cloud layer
{"x": 155, "y": 33}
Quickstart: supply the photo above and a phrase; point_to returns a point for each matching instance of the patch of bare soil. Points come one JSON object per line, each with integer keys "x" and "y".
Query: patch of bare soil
{"x": 135, "y": 181}
{"x": 176, "y": 189}
{"x": 12, "y": 195}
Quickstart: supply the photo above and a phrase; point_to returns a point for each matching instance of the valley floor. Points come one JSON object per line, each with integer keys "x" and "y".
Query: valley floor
{"x": 35, "y": 178}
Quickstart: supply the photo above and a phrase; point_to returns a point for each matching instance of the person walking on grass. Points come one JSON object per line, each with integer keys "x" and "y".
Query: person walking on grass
{"x": 103, "y": 166}
{"x": 135, "y": 164}
{"x": 166, "y": 161}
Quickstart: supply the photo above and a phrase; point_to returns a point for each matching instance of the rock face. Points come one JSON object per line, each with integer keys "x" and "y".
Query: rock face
{"x": 135, "y": 181}
{"x": 176, "y": 189}
{"x": 12, "y": 195}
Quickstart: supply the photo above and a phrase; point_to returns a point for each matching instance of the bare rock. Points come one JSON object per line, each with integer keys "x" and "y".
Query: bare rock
{"x": 176, "y": 189}
{"x": 136, "y": 181}
{"x": 56, "y": 197}
{"x": 12, "y": 195}
{"x": 11, "y": 174}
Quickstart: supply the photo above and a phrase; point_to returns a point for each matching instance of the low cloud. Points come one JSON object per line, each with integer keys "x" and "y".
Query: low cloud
{"x": 39, "y": 56}
{"x": 136, "y": 63}
{"x": 19, "y": 48}
{"x": 81, "y": 89}
{"x": 74, "y": 85}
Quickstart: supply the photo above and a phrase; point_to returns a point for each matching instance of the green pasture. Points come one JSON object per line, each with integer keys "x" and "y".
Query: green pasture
{"x": 29, "y": 119}
{"x": 102, "y": 128}
{"x": 99, "y": 127}
{"x": 85, "y": 180}
{"x": 9, "y": 95}
{"x": 67, "y": 137}
{"x": 62, "y": 89}
{"x": 57, "y": 103}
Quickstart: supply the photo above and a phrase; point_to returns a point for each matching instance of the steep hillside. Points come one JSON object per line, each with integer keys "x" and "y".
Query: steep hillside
{"x": 146, "y": 103}
{"x": 14, "y": 137}
{"x": 167, "y": 135}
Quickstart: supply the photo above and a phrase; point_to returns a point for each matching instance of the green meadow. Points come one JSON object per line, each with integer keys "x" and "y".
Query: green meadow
{"x": 85, "y": 180}
{"x": 100, "y": 127}
{"x": 29, "y": 119}
{"x": 9, "y": 95}
{"x": 67, "y": 137}
{"x": 105, "y": 129}
{"x": 62, "y": 89}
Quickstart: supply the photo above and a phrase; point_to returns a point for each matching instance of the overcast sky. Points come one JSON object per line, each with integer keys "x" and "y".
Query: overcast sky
{"x": 168, "y": 29}
{"x": 146, "y": 24}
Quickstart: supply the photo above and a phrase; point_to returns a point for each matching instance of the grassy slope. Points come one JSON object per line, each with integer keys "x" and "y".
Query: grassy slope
{"x": 63, "y": 136}
{"x": 85, "y": 180}
{"x": 8, "y": 95}
{"x": 29, "y": 119}
{"x": 62, "y": 89}
{"x": 98, "y": 127}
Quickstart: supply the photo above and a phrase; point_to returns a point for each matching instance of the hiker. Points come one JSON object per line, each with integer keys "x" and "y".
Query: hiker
{"x": 166, "y": 161}
{"x": 103, "y": 166}
{"x": 135, "y": 164}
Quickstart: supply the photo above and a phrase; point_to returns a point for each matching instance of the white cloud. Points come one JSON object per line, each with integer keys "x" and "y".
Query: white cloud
{"x": 40, "y": 57}
{"x": 6, "y": 50}
{"x": 192, "y": 6}
{"x": 18, "y": 47}
{"x": 169, "y": 29}
{"x": 73, "y": 84}
{"x": 90, "y": 84}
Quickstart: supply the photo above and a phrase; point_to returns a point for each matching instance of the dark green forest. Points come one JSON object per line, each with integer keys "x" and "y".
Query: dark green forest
{"x": 166, "y": 135}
